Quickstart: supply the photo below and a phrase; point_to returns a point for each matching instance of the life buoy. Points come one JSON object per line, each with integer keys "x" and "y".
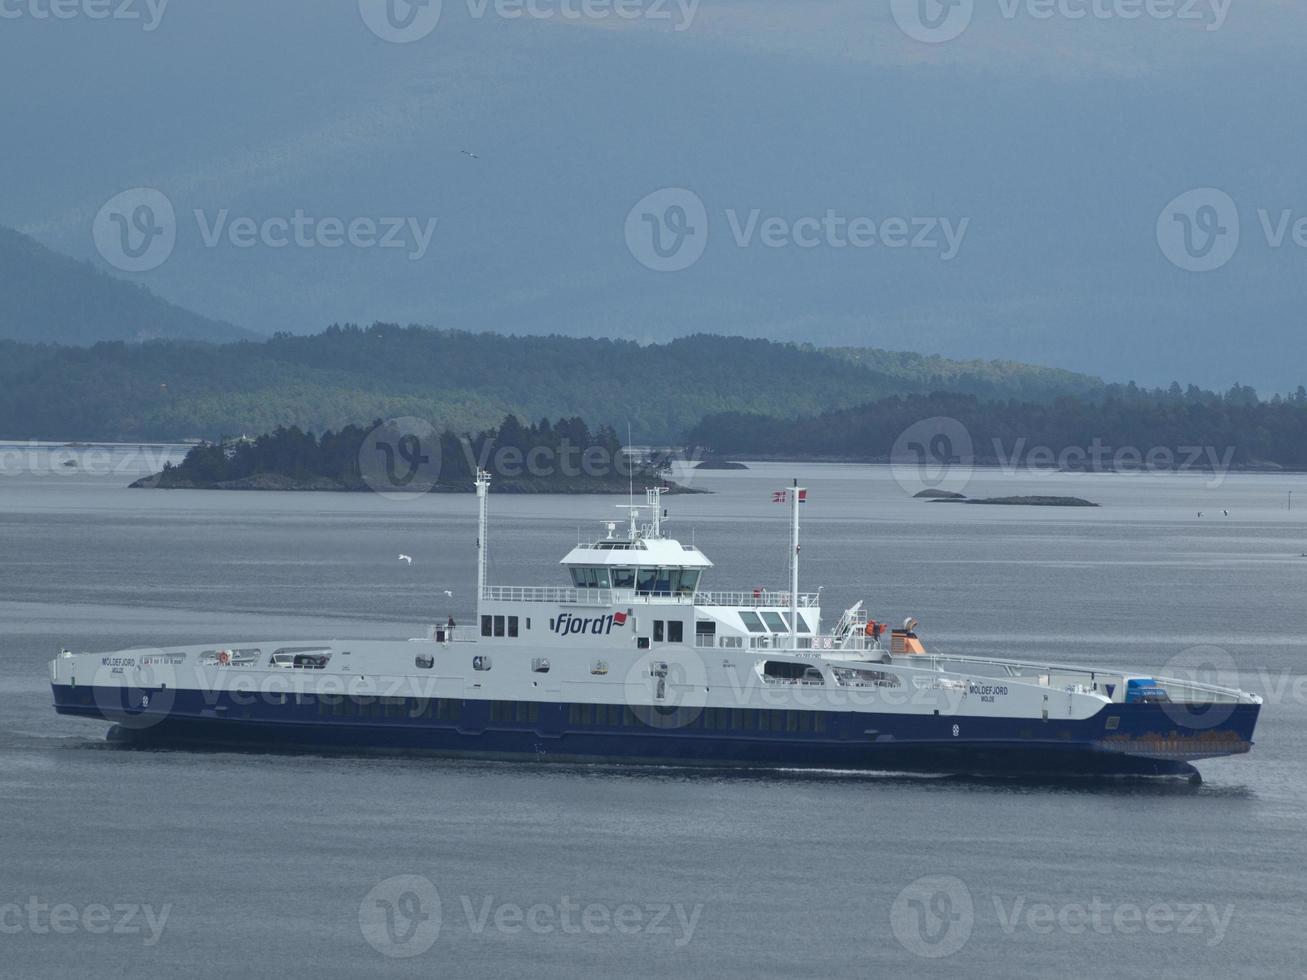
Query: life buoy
{"x": 224, "y": 658}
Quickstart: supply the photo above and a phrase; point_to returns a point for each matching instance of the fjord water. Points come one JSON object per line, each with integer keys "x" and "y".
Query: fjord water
{"x": 262, "y": 861}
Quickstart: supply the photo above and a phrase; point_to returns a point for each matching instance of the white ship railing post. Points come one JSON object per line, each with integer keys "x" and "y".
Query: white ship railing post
{"x": 483, "y": 486}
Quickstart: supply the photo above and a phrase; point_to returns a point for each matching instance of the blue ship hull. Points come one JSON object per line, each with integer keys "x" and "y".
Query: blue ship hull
{"x": 1124, "y": 739}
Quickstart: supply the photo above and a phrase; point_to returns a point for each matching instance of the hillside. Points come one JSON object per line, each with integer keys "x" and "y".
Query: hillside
{"x": 1127, "y": 429}
{"x": 178, "y": 390}
{"x": 46, "y": 297}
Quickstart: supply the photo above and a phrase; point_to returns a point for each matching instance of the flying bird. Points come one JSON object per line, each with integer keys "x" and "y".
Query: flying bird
{"x": 469, "y": 153}
{"x": 406, "y": 558}
{"x": 448, "y": 593}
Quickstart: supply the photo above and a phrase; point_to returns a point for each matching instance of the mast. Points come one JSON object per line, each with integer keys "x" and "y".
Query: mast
{"x": 795, "y": 497}
{"x": 483, "y": 486}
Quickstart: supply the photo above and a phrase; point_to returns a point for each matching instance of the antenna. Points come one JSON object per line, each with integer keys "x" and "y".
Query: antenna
{"x": 630, "y": 468}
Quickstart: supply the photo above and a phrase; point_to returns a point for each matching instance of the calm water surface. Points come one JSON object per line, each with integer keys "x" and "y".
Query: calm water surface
{"x": 261, "y": 861}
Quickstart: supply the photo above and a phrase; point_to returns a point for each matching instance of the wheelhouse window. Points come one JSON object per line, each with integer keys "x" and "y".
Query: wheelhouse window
{"x": 623, "y": 578}
{"x": 647, "y": 580}
{"x": 803, "y": 623}
{"x": 590, "y": 578}
{"x": 685, "y": 581}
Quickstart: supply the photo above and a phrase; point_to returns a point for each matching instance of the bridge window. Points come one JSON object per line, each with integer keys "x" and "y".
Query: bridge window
{"x": 803, "y": 623}
{"x": 623, "y": 578}
{"x": 687, "y": 581}
{"x": 647, "y": 579}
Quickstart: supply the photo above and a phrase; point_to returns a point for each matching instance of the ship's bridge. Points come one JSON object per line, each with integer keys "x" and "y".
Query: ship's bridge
{"x": 649, "y": 567}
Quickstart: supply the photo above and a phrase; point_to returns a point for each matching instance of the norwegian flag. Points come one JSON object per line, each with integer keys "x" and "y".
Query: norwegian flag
{"x": 778, "y": 496}
{"x": 619, "y": 618}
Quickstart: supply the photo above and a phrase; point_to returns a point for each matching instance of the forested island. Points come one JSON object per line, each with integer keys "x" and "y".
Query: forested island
{"x": 397, "y": 457}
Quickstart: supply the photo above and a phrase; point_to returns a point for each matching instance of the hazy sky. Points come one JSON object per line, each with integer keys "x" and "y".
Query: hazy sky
{"x": 994, "y": 178}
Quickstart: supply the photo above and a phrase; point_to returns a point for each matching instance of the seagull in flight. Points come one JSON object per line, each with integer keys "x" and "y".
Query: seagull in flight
{"x": 406, "y": 558}
{"x": 469, "y": 153}
{"x": 448, "y": 593}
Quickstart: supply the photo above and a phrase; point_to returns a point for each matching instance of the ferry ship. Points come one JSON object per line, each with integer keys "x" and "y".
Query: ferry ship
{"x": 634, "y": 660}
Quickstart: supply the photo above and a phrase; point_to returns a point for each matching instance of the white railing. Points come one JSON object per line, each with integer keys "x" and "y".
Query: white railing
{"x": 620, "y": 597}
{"x": 776, "y": 600}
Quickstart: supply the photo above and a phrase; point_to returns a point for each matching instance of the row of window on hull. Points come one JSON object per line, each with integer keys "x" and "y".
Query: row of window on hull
{"x": 647, "y": 581}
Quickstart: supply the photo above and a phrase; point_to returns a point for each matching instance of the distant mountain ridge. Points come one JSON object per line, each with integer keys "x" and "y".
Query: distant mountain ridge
{"x": 46, "y": 297}
{"x": 466, "y": 381}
